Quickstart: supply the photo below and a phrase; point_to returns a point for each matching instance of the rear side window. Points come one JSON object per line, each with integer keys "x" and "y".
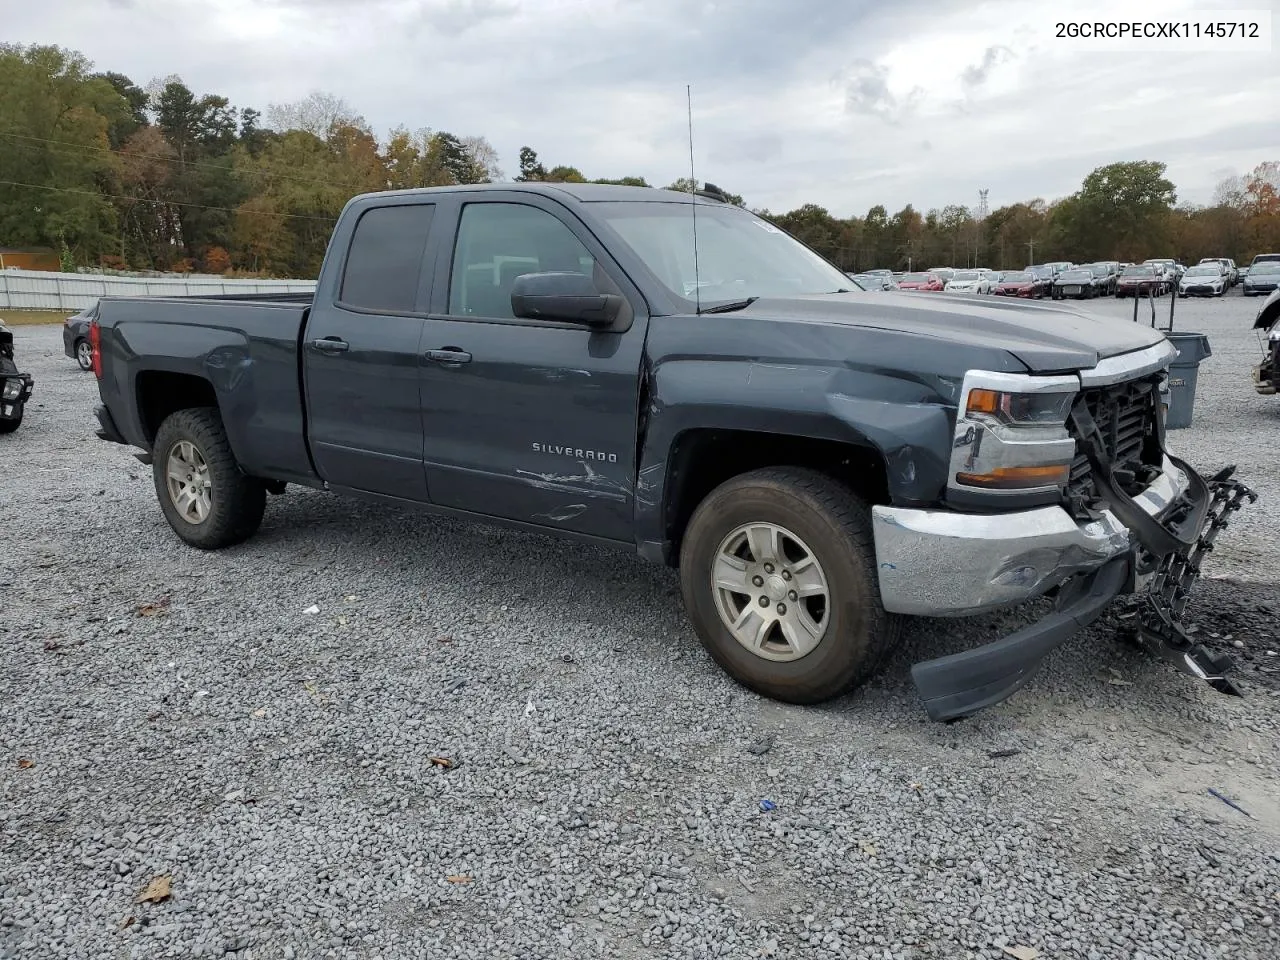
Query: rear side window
{"x": 384, "y": 263}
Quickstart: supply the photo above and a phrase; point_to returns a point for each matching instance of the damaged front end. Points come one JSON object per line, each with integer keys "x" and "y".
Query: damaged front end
{"x": 1168, "y": 548}
{"x": 1130, "y": 520}
{"x": 1266, "y": 375}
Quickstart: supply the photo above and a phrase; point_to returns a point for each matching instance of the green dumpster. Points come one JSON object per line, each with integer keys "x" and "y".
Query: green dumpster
{"x": 1183, "y": 373}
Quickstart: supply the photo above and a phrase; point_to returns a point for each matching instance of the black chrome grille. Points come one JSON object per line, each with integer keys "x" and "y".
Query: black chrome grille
{"x": 1126, "y": 415}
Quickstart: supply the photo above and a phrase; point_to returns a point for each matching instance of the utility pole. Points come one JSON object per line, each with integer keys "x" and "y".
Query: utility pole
{"x": 1031, "y": 245}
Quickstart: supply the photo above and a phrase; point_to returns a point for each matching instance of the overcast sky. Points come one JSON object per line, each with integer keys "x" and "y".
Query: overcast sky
{"x": 845, "y": 103}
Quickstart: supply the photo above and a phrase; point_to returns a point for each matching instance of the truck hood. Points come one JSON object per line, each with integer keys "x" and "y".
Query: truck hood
{"x": 1044, "y": 338}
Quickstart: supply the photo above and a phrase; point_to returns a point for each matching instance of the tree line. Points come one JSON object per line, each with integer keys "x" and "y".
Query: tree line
{"x": 160, "y": 177}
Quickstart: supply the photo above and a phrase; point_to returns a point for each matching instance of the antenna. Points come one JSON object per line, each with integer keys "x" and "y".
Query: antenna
{"x": 693, "y": 200}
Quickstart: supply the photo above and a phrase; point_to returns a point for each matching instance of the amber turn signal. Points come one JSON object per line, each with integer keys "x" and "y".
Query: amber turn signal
{"x": 984, "y": 401}
{"x": 1017, "y": 478}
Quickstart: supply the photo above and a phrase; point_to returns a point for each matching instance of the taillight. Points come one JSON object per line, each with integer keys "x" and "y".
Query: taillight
{"x": 95, "y": 344}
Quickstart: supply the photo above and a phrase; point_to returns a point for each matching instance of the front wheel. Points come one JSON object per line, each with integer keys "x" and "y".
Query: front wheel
{"x": 84, "y": 354}
{"x": 778, "y": 575}
{"x": 205, "y": 497}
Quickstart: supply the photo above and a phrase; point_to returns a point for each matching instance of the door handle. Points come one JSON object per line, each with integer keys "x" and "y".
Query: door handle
{"x": 331, "y": 345}
{"x": 449, "y": 355}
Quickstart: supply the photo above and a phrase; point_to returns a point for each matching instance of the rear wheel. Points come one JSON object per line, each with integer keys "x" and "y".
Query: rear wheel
{"x": 205, "y": 497}
{"x": 778, "y": 575}
{"x": 84, "y": 354}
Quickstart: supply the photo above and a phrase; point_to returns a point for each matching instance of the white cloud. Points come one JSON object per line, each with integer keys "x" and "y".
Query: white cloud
{"x": 807, "y": 101}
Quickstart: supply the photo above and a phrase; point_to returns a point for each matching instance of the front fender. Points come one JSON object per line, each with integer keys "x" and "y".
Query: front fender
{"x": 907, "y": 421}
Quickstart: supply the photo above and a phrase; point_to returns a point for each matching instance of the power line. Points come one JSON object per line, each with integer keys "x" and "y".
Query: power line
{"x": 160, "y": 157}
{"x": 168, "y": 203}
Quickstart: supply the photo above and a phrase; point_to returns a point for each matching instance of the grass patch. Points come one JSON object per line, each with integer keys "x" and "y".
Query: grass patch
{"x": 22, "y": 318}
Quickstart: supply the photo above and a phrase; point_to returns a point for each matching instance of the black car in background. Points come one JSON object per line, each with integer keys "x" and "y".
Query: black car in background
{"x": 1076, "y": 283}
{"x": 75, "y": 337}
{"x": 1106, "y": 273}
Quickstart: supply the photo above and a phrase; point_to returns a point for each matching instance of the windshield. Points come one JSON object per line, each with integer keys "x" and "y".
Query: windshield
{"x": 1138, "y": 271}
{"x": 1267, "y": 267}
{"x": 1075, "y": 275}
{"x": 1204, "y": 271}
{"x": 740, "y": 255}
{"x": 1017, "y": 276}
{"x": 914, "y": 278}
{"x": 967, "y": 275}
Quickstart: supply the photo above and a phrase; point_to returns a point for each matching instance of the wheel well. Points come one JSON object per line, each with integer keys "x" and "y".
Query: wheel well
{"x": 704, "y": 459}
{"x": 161, "y": 393}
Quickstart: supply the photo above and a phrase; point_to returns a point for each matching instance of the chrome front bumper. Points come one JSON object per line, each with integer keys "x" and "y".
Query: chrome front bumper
{"x": 940, "y": 563}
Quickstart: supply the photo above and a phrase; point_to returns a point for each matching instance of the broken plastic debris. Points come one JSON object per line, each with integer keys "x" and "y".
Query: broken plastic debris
{"x": 767, "y": 805}
{"x": 1000, "y": 754}
{"x": 444, "y": 762}
{"x": 312, "y": 609}
{"x": 529, "y": 708}
{"x": 1231, "y": 803}
{"x": 1020, "y": 952}
{"x": 763, "y": 745}
{"x": 458, "y": 878}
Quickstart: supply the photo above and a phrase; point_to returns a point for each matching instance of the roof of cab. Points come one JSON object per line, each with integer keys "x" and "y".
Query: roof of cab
{"x": 583, "y": 192}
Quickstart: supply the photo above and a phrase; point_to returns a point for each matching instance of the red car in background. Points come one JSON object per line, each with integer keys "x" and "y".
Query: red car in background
{"x": 921, "y": 281}
{"x": 1022, "y": 283}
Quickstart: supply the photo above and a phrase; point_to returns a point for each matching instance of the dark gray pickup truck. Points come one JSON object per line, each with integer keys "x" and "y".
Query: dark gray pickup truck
{"x": 817, "y": 461}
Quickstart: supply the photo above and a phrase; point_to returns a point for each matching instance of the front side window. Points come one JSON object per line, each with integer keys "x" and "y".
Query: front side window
{"x": 498, "y": 242}
{"x": 384, "y": 262}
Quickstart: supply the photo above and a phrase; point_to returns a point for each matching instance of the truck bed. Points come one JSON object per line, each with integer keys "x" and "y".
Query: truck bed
{"x": 246, "y": 346}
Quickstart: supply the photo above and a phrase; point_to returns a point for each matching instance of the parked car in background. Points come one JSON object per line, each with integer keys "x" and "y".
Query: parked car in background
{"x": 75, "y": 337}
{"x": 1262, "y": 279}
{"x": 1021, "y": 283}
{"x": 1171, "y": 269}
{"x": 1265, "y": 258}
{"x": 1204, "y": 280}
{"x": 873, "y": 281}
{"x": 970, "y": 281}
{"x": 944, "y": 273}
{"x": 879, "y": 272}
{"x": 921, "y": 281}
{"x": 1076, "y": 283}
{"x": 1243, "y": 274}
{"x": 1106, "y": 273}
{"x": 15, "y": 387}
{"x": 1229, "y": 267}
{"x": 1140, "y": 279}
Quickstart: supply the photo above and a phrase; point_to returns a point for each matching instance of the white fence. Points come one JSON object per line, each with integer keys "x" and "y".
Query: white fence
{"x": 42, "y": 290}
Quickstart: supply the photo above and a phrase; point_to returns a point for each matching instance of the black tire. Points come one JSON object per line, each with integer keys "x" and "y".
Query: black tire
{"x": 836, "y": 526}
{"x": 236, "y": 501}
{"x": 8, "y": 426}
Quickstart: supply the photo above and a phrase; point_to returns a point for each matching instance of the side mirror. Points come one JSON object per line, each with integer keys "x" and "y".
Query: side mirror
{"x": 571, "y": 297}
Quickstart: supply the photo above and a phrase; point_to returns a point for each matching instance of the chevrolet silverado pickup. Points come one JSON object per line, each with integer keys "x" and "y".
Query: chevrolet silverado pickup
{"x": 670, "y": 374}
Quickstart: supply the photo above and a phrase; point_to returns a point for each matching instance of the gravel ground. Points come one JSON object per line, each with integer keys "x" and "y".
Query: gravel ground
{"x": 170, "y": 713}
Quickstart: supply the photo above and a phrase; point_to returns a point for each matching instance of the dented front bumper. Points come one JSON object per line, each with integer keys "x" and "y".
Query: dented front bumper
{"x": 1151, "y": 544}
{"x": 940, "y": 563}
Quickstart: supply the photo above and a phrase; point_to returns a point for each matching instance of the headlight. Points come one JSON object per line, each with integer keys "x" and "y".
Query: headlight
{"x": 1028, "y": 409}
{"x": 12, "y": 389}
{"x": 1011, "y": 433}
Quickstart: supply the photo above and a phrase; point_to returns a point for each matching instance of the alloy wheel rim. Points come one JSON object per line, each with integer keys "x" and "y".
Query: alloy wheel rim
{"x": 771, "y": 592}
{"x": 189, "y": 483}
